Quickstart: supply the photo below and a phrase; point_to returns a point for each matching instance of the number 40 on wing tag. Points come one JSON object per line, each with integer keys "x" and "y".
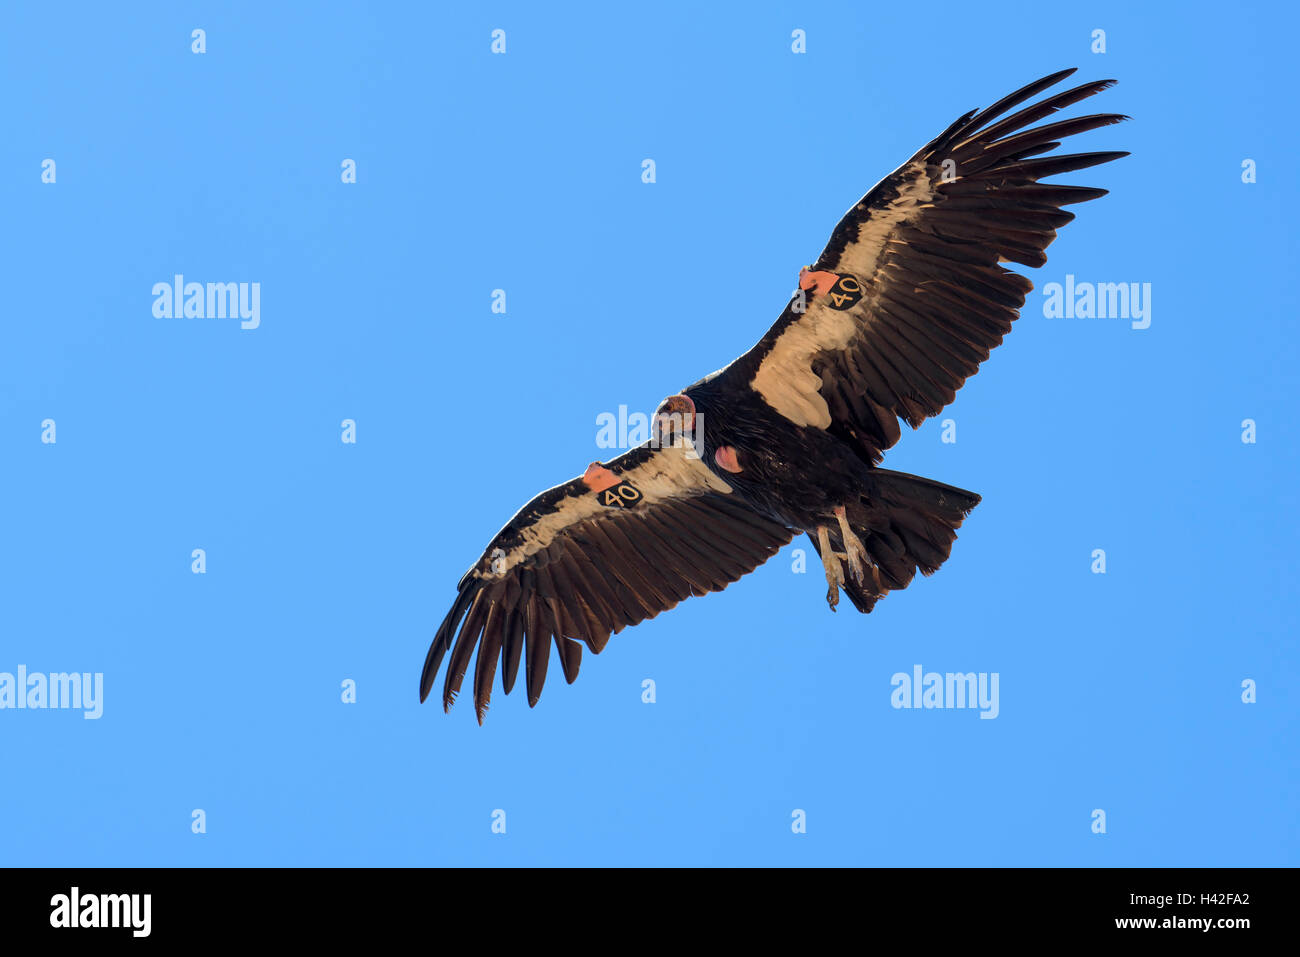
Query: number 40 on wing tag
{"x": 622, "y": 495}
{"x": 845, "y": 294}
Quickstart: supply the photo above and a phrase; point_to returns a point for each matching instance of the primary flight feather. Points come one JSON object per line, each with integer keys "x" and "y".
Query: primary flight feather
{"x": 901, "y": 307}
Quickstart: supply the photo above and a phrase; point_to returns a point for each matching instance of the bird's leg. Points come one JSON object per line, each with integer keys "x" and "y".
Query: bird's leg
{"x": 834, "y": 574}
{"x": 854, "y": 551}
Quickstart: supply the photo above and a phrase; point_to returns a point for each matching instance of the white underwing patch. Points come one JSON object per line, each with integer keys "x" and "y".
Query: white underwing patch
{"x": 669, "y": 473}
{"x": 785, "y": 378}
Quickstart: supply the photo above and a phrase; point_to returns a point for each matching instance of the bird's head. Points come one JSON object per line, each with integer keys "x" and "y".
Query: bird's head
{"x": 676, "y": 417}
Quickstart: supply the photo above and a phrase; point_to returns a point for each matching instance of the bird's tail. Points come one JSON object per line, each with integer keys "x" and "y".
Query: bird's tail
{"x": 906, "y": 523}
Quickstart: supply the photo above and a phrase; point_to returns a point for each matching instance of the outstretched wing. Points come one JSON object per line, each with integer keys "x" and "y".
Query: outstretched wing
{"x": 585, "y": 559}
{"x": 908, "y": 297}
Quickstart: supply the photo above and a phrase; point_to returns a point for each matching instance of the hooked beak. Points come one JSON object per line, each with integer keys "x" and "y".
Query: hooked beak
{"x": 663, "y": 427}
{"x": 668, "y": 426}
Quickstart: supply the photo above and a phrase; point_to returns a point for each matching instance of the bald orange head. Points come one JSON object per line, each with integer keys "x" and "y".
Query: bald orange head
{"x": 675, "y": 416}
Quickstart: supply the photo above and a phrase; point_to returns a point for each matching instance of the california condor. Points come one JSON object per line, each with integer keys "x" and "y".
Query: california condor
{"x": 903, "y": 304}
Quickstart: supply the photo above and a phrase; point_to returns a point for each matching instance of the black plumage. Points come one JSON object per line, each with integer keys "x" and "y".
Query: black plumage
{"x": 905, "y": 302}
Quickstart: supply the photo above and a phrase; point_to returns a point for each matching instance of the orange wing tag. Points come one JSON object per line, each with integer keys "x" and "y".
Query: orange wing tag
{"x": 819, "y": 282}
{"x": 610, "y": 492}
{"x": 841, "y": 292}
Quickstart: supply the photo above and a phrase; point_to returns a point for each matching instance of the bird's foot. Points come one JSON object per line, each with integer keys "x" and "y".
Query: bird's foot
{"x": 854, "y": 551}
{"x": 831, "y": 562}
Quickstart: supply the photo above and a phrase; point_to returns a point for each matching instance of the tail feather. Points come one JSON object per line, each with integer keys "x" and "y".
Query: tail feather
{"x": 907, "y": 523}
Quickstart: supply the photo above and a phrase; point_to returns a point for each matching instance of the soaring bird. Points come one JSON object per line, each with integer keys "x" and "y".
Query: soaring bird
{"x": 901, "y": 307}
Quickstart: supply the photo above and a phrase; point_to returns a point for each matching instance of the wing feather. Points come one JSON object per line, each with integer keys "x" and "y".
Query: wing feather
{"x": 926, "y": 246}
{"x": 570, "y": 570}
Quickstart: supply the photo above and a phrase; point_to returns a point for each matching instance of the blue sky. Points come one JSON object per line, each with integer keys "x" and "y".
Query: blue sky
{"x": 328, "y": 562}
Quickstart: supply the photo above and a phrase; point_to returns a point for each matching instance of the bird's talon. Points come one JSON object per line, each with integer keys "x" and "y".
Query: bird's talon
{"x": 830, "y": 562}
{"x": 855, "y": 552}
